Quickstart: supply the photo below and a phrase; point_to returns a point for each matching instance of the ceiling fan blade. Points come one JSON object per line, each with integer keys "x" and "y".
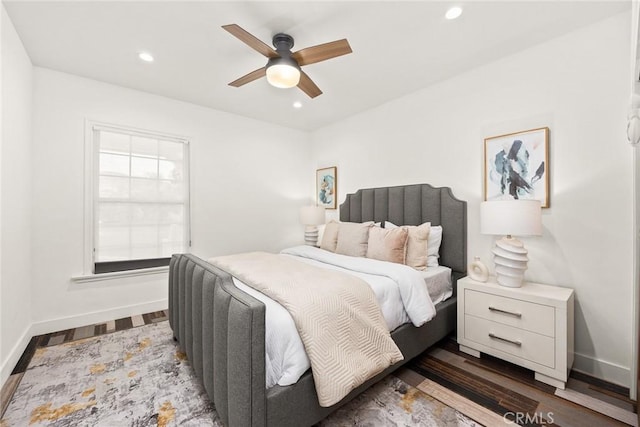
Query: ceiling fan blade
{"x": 308, "y": 86}
{"x": 254, "y": 75}
{"x": 251, "y": 40}
{"x": 322, "y": 52}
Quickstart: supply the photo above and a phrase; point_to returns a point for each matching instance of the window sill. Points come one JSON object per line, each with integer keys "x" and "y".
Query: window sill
{"x": 119, "y": 274}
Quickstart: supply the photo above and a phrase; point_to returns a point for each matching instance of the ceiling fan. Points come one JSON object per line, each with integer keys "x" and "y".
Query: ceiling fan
{"x": 283, "y": 67}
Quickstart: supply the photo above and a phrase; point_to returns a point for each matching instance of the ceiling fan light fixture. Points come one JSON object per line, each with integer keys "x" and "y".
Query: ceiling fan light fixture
{"x": 283, "y": 67}
{"x": 283, "y": 73}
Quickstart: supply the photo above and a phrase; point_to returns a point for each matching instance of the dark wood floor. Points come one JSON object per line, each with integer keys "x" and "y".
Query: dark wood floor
{"x": 488, "y": 390}
{"x": 511, "y": 391}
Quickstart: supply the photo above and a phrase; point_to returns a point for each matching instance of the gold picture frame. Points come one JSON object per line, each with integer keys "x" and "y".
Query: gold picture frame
{"x": 516, "y": 166}
{"x": 326, "y": 187}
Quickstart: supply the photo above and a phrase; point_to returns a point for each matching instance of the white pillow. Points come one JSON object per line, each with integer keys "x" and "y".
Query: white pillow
{"x": 330, "y": 236}
{"x": 321, "y": 228}
{"x": 433, "y": 243}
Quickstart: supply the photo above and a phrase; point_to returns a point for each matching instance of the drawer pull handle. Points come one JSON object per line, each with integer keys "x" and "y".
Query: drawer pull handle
{"x": 510, "y": 313}
{"x": 495, "y": 337}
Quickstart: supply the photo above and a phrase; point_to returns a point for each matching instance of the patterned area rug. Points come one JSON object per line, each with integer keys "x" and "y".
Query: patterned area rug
{"x": 138, "y": 377}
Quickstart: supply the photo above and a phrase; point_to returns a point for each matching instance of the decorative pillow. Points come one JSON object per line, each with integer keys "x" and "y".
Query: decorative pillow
{"x": 417, "y": 244}
{"x": 320, "y": 233}
{"x": 353, "y": 238}
{"x": 329, "y": 239}
{"x": 433, "y": 249}
{"x": 387, "y": 245}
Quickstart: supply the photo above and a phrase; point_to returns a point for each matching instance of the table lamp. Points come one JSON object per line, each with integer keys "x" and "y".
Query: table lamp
{"x": 311, "y": 216}
{"x": 510, "y": 218}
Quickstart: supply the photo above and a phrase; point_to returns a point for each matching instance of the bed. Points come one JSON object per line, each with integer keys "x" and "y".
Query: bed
{"x": 222, "y": 329}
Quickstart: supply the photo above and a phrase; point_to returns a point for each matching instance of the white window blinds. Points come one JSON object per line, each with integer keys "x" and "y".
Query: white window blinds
{"x": 141, "y": 202}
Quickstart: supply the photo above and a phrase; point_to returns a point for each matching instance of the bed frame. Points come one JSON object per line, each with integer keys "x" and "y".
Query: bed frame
{"x": 222, "y": 329}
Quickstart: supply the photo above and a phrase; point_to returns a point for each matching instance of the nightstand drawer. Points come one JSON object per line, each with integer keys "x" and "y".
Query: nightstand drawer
{"x": 520, "y": 314}
{"x": 517, "y": 342}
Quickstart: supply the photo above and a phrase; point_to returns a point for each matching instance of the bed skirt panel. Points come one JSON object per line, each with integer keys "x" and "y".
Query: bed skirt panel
{"x": 196, "y": 319}
{"x": 221, "y": 329}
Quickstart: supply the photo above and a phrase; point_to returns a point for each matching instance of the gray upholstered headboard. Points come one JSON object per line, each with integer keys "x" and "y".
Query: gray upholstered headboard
{"x": 414, "y": 205}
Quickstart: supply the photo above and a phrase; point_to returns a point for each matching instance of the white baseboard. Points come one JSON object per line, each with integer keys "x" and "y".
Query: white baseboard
{"x": 602, "y": 369}
{"x": 60, "y": 324}
{"x": 14, "y": 355}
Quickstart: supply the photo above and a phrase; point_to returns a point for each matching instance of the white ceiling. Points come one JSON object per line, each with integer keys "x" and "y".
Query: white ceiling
{"x": 398, "y": 47}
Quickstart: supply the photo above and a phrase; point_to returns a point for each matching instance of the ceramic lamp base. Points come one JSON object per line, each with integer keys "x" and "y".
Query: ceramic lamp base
{"x": 510, "y": 258}
{"x": 311, "y": 235}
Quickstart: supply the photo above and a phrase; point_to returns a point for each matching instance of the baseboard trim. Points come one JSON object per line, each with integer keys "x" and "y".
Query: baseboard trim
{"x": 602, "y": 369}
{"x": 15, "y": 354}
{"x": 60, "y": 324}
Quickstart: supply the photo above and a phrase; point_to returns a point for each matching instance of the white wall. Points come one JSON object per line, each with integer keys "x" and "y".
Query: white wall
{"x": 577, "y": 85}
{"x": 245, "y": 191}
{"x": 15, "y": 198}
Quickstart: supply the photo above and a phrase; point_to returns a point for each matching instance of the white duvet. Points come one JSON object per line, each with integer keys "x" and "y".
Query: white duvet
{"x": 400, "y": 291}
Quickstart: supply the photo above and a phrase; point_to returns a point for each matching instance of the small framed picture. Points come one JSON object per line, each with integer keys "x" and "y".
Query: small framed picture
{"x": 326, "y": 185}
{"x": 516, "y": 166}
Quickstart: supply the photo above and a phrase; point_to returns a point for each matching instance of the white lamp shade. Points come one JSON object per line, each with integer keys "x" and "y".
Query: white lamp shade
{"x": 312, "y": 215}
{"x": 511, "y": 217}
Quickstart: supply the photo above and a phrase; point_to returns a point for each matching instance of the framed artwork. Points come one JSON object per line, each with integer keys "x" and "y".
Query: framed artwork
{"x": 516, "y": 166}
{"x": 326, "y": 185}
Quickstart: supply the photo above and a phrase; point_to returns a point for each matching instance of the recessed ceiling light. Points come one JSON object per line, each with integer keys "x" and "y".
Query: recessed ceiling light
{"x": 453, "y": 13}
{"x": 145, "y": 56}
{"x": 297, "y": 104}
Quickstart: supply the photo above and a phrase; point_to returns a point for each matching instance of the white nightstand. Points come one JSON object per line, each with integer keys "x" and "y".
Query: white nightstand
{"x": 531, "y": 326}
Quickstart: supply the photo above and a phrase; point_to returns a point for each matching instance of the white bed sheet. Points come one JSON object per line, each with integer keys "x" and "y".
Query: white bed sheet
{"x": 286, "y": 359}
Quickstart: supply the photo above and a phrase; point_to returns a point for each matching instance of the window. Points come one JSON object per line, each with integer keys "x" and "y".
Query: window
{"x": 140, "y": 198}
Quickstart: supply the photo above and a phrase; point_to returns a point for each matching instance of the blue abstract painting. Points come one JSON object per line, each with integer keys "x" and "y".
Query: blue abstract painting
{"x": 516, "y": 166}
{"x": 326, "y": 187}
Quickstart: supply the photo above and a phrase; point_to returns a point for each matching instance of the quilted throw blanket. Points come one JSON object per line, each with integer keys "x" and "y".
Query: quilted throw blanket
{"x": 336, "y": 314}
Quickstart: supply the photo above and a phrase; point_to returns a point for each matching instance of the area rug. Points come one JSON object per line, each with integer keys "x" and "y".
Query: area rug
{"x": 139, "y": 377}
